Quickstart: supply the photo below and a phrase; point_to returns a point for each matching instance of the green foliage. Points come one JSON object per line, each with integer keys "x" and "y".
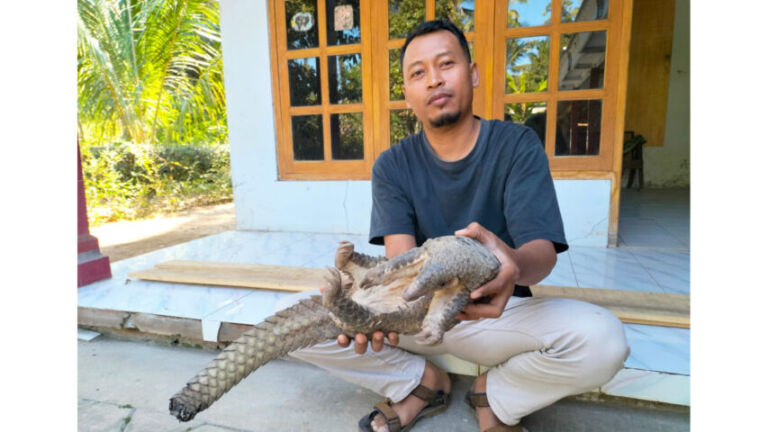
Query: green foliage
{"x": 131, "y": 181}
{"x": 149, "y": 71}
{"x": 451, "y": 10}
{"x": 404, "y": 16}
{"x": 526, "y": 77}
{"x": 401, "y": 124}
{"x": 520, "y": 112}
{"x": 151, "y": 111}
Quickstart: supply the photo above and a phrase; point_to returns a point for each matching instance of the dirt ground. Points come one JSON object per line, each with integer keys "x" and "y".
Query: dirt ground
{"x": 126, "y": 239}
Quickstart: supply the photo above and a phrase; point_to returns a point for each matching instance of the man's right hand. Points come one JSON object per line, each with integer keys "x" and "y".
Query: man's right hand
{"x": 361, "y": 340}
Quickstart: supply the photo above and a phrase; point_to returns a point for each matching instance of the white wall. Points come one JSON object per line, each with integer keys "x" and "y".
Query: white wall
{"x": 669, "y": 165}
{"x": 261, "y": 201}
{"x": 264, "y": 203}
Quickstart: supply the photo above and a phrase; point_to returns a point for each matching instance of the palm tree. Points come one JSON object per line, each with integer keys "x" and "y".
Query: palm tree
{"x": 153, "y": 67}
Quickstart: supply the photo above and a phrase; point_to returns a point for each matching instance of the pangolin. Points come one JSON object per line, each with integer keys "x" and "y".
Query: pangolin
{"x": 418, "y": 292}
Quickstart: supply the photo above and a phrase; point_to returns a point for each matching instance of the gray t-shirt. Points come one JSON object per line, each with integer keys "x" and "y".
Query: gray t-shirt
{"x": 504, "y": 184}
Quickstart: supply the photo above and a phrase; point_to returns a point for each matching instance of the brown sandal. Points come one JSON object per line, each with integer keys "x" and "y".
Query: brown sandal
{"x": 475, "y": 400}
{"x": 437, "y": 402}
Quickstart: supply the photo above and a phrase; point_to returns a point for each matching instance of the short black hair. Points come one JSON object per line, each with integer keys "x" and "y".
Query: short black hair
{"x": 433, "y": 26}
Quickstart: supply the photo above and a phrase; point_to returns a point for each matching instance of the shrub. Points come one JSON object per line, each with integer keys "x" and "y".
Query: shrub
{"x": 130, "y": 181}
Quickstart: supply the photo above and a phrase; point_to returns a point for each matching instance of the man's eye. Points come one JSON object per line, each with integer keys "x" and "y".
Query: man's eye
{"x": 416, "y": 74}
{"x": 448, "y": 63}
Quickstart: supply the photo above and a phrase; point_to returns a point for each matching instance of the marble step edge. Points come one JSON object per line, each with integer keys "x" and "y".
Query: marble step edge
{"x": 632, "y": 307}
{"x": 643, "y": 385}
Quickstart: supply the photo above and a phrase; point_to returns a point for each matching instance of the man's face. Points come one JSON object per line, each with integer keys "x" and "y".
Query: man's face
{"x": 438, "y": 79}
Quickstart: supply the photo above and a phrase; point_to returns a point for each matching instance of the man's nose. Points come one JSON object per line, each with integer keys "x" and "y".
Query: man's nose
{"x": 434, "y": 78}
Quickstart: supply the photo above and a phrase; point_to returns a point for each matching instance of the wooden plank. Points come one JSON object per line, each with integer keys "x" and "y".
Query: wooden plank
{"x": 636, "y": 307}
{"x": 101, "y": 317}
{"x": 650, "y": 300}
{"x": 282, "y": 278}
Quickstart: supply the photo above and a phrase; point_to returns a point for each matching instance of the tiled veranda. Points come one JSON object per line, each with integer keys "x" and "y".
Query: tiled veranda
{"x": 653, "y": 255}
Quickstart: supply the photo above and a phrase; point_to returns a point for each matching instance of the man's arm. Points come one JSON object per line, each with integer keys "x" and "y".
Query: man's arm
{"x": 526, "y": 265}
{"x": 395, "y": 244}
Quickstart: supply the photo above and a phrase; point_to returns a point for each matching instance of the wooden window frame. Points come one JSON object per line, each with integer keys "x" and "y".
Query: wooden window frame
{"x": 490, "y": 55}
{"x": 604, "y": 160}
{"x": 327, "y": 169}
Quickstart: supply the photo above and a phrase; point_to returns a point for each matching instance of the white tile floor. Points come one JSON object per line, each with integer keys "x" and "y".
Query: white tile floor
{"x": 660, "y": 356}
{"x": 655, "y": 218}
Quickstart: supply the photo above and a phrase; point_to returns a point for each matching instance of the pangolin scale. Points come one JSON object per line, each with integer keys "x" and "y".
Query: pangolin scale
{"x": 416, "y": 293}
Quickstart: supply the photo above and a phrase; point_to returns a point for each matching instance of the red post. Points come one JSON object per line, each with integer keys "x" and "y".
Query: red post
{"x": 91, "y": 264}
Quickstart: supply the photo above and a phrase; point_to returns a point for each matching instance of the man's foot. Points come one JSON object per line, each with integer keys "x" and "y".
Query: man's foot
{"x": 434, "y": 378}
{"x": 486, "y": 419}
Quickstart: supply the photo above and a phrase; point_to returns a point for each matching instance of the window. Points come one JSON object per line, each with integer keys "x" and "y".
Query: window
{"x": 559, "y": 75}
{"x": 323, "y": 73}
{"x": 337, "y": 78}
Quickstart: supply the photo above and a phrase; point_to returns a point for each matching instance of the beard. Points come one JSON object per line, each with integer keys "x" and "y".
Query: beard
{"x": 446, "y": 119}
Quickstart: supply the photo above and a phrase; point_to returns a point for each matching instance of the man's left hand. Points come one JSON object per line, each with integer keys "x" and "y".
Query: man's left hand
{"x": 502, "y": 286}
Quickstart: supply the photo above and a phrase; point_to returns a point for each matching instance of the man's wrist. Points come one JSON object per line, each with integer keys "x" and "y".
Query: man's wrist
{"x": 534, "y": 261}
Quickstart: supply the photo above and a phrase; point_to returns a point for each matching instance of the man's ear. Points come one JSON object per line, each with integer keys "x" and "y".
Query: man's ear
{"x": 475, "y": 73}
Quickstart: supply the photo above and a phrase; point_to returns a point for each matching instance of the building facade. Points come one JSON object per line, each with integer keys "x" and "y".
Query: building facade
{"x": 313, "y": 96}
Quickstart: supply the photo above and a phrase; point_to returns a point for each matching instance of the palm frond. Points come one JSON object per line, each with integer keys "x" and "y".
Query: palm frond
{"x": 152, "y": 64}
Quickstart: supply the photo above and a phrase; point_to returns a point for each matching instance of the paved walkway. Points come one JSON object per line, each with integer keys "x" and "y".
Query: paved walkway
{"x": 124, "y": 386}
{"x": 126, "y": 239}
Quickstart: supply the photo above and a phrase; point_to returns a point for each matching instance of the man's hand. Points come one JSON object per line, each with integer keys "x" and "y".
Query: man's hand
{"x": 361, "y": 340}
{"x": 502, "y": 286}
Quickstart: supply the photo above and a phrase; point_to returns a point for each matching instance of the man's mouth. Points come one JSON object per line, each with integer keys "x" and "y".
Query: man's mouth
{"x": 439, "y": 98}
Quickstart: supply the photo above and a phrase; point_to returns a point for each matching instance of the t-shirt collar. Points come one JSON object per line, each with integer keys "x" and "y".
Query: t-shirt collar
{"x": 466, "y": 160}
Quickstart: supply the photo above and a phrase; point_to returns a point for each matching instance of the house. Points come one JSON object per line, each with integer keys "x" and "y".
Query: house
{"x": 313, "y": 97}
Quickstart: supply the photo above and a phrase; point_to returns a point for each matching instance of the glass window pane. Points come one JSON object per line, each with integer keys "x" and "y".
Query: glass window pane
{"x": 459, "y": 12}
{"x": 401, "y": 124}
{"x": 307, "y": 137}
{"x": 345, "y": 75}
{"x": 404, "y": 16}
{"x": 301, "y": 23}
{"x": 343, "y": 22}
{"x": 395, "y": 75}
{"x": 584, "y": 10}
{"x": 304, "y": 81}
{"x": 347, "y": 136}
{"x": 582, "y": 60}
{"x": 531, "y": 114}
{"x": 528, "y": 13}
{"x": 527, "y": 64}
{"x": 579, "y": 123}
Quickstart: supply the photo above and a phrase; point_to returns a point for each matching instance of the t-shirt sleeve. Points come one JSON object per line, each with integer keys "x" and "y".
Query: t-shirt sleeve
{"x": 392, "y": 212}
{"x": 530, "y": 203}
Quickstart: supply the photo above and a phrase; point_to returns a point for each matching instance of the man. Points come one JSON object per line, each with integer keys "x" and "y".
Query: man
{"x": 488, "y": 180}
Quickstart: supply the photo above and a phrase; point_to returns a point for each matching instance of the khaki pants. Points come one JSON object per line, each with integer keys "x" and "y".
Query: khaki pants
{"x": 539, "y": 351}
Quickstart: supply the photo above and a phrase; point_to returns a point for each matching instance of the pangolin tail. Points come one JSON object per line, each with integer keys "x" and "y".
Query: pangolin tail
{"x": 304, "y": 324}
